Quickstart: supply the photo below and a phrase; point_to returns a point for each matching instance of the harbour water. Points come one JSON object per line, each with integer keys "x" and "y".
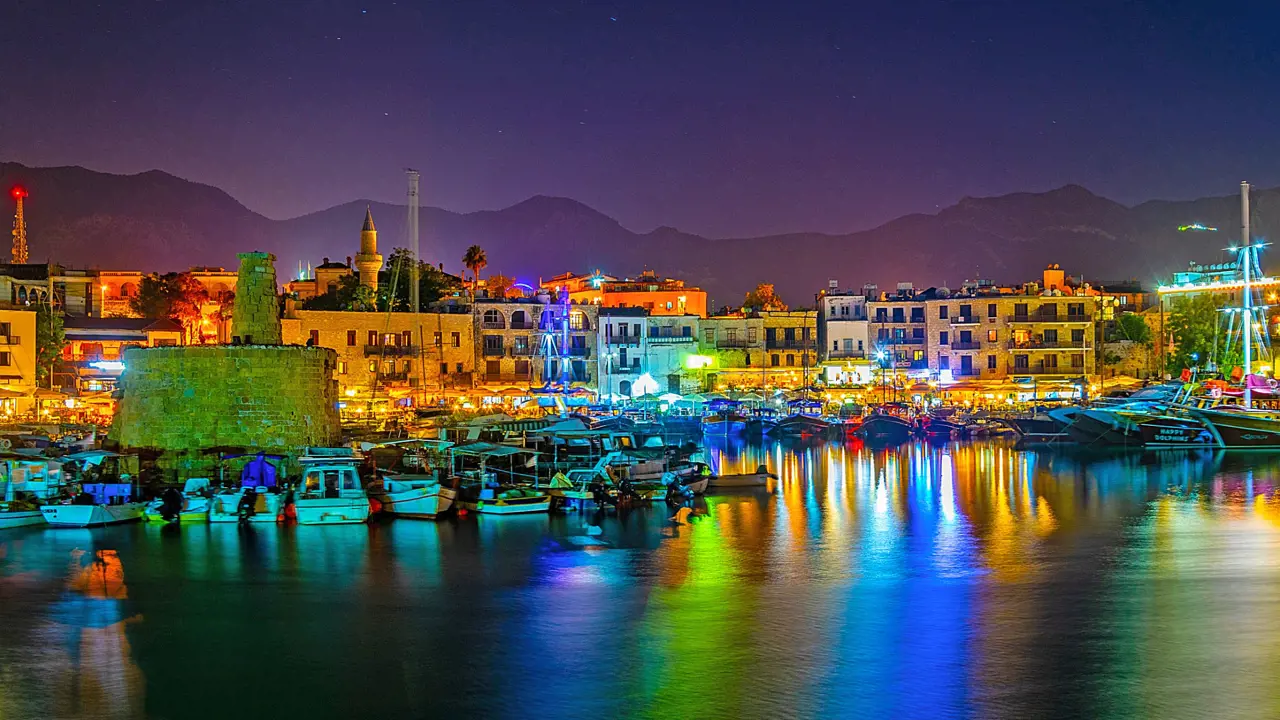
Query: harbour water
{"x": 963, "y": 580}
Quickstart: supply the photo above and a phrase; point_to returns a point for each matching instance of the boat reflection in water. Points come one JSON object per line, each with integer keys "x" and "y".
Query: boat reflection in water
{"x": 952, "y": 580}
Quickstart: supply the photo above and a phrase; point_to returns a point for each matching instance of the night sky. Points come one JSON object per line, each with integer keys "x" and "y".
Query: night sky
{"x": 722, "y": 118}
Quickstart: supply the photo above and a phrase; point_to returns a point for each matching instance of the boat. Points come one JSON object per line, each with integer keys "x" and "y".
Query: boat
{"x": 805, "y": 420}
{"x": 759, "y": 421}
{"x": 1238, "y": 427}
{"x": 492, "y": 498}
{"x": 414, "y": 496}
{"x": 724, "y": 420}
{"x": 882, "y": 428}
{"x": 1039, "y": 429}
{"x": 259, "y": 477}
{"x": 759, "y": 478}
{"x": 196, "y": 504}
{"x": 28, "y": 483}
{"x": 330, "y": 492}
{"x": 98, "y": 504}
{"x": 1173, "y": 431}
{"x": 936, "y": 426}
{"x": 481, "y": 490}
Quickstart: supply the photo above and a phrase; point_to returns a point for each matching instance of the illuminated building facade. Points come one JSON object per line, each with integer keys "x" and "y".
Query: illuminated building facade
{"x": 509, "y": 338}
{"x": 844, "y": 331}
{"x": 657, "y": 296}
{"x": 17, "y": 360}
{"x": 325, "y": 277}
{"x": 766, "y": 349}
{"x": 91, "y": 359}
{"x": 114, "y": 290}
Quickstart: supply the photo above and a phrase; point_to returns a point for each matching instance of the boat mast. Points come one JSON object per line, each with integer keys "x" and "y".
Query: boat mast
{"x": 1246, "y": 257}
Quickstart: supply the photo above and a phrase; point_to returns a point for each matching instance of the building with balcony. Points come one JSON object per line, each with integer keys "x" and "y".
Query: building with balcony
{"x": 656, "y": 295}
{"x": 17, "y": 361}
{"x": 898, "y": 331}
{"x": 386, "y": 355}
{"x": 509, "y": 335}
{"x": 632, "y": 344}
{"x": 843, "y": 329}
{"x": 620, "y": 342}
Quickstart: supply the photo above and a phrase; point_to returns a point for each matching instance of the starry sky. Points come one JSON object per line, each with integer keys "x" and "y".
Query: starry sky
{"x": 720, "y": 117}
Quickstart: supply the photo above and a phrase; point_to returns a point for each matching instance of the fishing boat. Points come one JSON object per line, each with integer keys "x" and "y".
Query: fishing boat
{"x": 502, "y": 479}
{"x": 804, "y": 420}
{"x": 724, "y": 420}
{"x": 330, "y": 492}
{"x": 760, "y": 421}
{"x": 884, "y": 429}
{"x": 98, "y": 504}
{"x": 258, "y": 476}
{"x": 414, "y": 496}
{"x": 196, "y": 503}
{"x": 939, "y": 426}
{"x": 759, "y": 478}
{"x": 28, "y": 483}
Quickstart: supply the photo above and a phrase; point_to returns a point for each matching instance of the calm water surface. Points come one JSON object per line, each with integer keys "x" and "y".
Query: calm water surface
{"x": 968, "y": 580}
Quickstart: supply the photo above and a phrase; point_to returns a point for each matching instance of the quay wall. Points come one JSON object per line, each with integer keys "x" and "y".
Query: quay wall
{"x": 182, "y": 400}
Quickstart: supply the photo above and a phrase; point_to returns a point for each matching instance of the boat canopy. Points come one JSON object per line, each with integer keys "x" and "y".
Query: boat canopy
{"x": 91, "y": 457}
{"x": 486, "y": 449}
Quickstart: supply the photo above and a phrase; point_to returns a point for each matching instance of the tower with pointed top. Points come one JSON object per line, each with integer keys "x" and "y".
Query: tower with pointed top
{"x": 19, "y": 227}
{"x": 368, "y": 261}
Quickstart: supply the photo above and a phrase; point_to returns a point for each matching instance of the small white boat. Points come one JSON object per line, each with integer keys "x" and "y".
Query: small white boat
{"x": 759, "y": 478}
{"x": 331, "y": 493}
{"x": 414, "y": 496}
{"x": 196, "y": 504}
{"x": 28, "y": 482}
{"x": 19, "y": 514}
{"x": 509, "y": 501}
{"x": 95, "y": 514}
{"x": 699, "y": 486}
{"x": 225, "y": 507}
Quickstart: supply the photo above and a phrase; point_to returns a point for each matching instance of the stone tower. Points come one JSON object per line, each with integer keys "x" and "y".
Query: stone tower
{"x": 256, "y": 316}
{"x": 368, "y": 261}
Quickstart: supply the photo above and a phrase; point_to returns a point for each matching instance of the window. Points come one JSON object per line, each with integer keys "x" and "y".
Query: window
{"x": 774, "y": 360}
{"x": 493, "y": 319}
{"x": 457, "y": 367}
{"x": 966, "y": 311}
{"x": 899, "y": 315}
{"x": 991, "y": 310}
{"x": 942, "y": 312}
{"x": 992, "y": 336}
{"x": 882, "y": 315}
{"x": 668, "y": 304}
{"x": 342, "y": 367}
{"x": 917, "y": 355}
{"x": 848, "y": 346}
{"x": 991, "y": 362}
{"x": 1020, "y": 310}
{"x": 791, "y": 360}
{"x": 373, "y": 366}
{"x": 835, "y": 346}
{"x": 1077, "y": 360}
{"x": 748, "y": 361}
{"x": 435, "y": 338}
{"x": 917, "y": 314}
{"x": 917, "y": 333}
{"x": 492, "y": 344}
{"x": 314, "y": 337}
{"x": 966, "y": 337}
{"x": 444, "y": 368}
{"x": 5, "y": 329}
{"x": 944, "y": 362}
{"x": 521, "y": 345}
{"x": 1050, "y": 337}
{"x": 686, "y": 331}
{"x": 944, "y": 338}
{"x": 859, "y": 346}
{"x": 622, "y": 358}
{"x": 710, "y": 335}
{"x": 730, "y": 334}
{"x": 1021, "y": 362}
{"x": 519, "y": 320}
{"x": 1077, "y": 337}
{"x": 351, "y": 338}
{"x": 578, "y": 321}
{"x": 753, "y": 335}
{"x": 457, "y": 340}
{"x": 624, "y": 330}
{"x": 522, "y": 368}
{"x": 1075, "y": 309}
{"x": 1051, "y": 362}
{"x": 373, "y": 337}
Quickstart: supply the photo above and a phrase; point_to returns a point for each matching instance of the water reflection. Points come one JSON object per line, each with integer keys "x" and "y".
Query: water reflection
{"x": 927, "y": 581}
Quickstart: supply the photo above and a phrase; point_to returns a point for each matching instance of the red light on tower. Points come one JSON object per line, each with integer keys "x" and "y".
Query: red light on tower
{"x": 18, "y": 192}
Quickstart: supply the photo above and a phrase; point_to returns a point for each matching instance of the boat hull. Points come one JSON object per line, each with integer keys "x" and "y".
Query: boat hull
{"x": 91, "y": 515}
{"x": 419, "y": 503}
{"x": 1099, "y": 427}
{"x": 196, "y": 512}
{"x": 885, "y": 430}
{"x": 224, "y": 508}
{"x": 510, "y": 506}
{"x": 20, "y": 518}
{"x": 724, "y": 427}
{"x": 699, "y": 486}
{"x": 800, "y": 426}
{"x": 738, "y": 481}
{"x": 332, "y": 511}
{"x": 1233, "y": 430}
{"x": 1175, "y": 432}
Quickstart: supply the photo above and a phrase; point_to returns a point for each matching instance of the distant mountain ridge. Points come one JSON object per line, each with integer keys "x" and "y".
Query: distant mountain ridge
{"x": 156, "y": 221}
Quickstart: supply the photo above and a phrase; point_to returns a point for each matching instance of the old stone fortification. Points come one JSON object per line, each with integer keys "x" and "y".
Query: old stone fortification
{"x": 190, "y": 403}
{"x": 182, "y": 400}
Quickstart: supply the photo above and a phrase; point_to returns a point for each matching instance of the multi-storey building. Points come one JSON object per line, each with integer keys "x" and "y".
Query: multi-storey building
{"x": 391, "y": 354}
{"x": 671, "y": 352}
{"x": 91, "y": 358}
{"x": 658, "y": 296}
{"x": 17, "y": 360}
{"x": 736, "y": 345}
{"x": 844, "y": 331}
{"x": 520, "y": 341}
{"x": 1011, "y": 336}
{"x": 620, "y": 341}
{"x": 633, "y": 344}
{"x": 898, "y": 331}
{"x": 790, "y": 338}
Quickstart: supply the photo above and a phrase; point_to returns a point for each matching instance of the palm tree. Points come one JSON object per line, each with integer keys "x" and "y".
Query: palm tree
{"x": 475, "y": 261}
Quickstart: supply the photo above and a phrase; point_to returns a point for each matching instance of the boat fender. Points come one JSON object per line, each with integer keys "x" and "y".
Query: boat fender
{"x": 375, "y": 506}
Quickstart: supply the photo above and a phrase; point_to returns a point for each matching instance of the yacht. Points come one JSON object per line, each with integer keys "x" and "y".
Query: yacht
{"x": 330, "y": 492}
{"x": 28, "y": 483}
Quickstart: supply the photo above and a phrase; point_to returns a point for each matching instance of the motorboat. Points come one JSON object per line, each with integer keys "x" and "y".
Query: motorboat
{"x": 28, "y": 483}
{"x": 936, "y": 426}
{"x": 480, "y": 489}
{"x": 330, "y": 492}
{"x": 98, "y": 504}
{"x": 1237, "y": 427}
{"x": 487, "y": 496}
{"x": 258, "y": 476}
{"x": 882, "y": 428}
{"x": 414, "y": 496}
{"x": 759, "y": 478}
{"x": 805, "y": 420}
{"x": 760, "y": 421}
{"x": 1174, "y": 431}
{"x": 724, "y": 419}
{"x": 196, "y": 502}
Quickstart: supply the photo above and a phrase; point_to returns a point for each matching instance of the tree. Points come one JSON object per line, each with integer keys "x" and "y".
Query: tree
{"x": 1193, "y": 323}
{"x": 350, "y": 295}
{"x": 763, "y": 298}
{"x": 1131, "y": 327}
{"x": 475, "y": 260}
{"x": 499, "y": 285}
{"x": 174, "y": 296}
{"x": 50, "y": 340}
{"x": 433, "y": 283}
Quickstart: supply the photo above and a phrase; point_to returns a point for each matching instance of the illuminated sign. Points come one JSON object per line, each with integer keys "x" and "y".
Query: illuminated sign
{"x": 109, "y": 365}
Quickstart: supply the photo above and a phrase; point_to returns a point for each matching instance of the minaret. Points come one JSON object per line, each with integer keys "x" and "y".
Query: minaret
{"x": 368, "y": 261}
{"x": 19, "y": 227}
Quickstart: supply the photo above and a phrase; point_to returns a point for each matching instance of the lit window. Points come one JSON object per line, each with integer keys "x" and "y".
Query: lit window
{"x": 342, "y": 367}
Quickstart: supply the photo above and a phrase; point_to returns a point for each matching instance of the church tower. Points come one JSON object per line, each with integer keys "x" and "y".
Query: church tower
{"x": 368, "y": 261}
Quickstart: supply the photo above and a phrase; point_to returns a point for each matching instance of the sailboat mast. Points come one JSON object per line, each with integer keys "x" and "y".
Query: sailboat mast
{"x": 1246, "y": 257}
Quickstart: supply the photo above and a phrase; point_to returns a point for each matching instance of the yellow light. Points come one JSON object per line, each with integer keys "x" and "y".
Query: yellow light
{"x": 351, "y": 392}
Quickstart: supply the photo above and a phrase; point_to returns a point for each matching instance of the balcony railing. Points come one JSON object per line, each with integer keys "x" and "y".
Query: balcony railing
{"x": 493, "y": 324}
{"x": 846, "y": 354}
{"x": 519, "y": 351}
{"x": 669, "y": 339}
{"x": 505, "y": 377}
{"x": 629, "y": 340}
{"x": 1050, "y": 318}
{"x": 390, "y": 350}
{"x": 493, "y": 351}
{"x": 1048, "y": 345}
{"x": 579, "y": 352}
{"x": 388, "y": 377}
{"x": 886, "y": 320}
{"x": 966, "y": 372}
{"x": 733, "y": 343}
{"x": 789, "y": 345}
{"x": 10, "y": 340}
{"x": 966, "y": 320}
{"x": 885, "y": 342}
{"x": 1045, "y": 370}
{"x": 968, "y": 345}
{"x": 527, "y": 325}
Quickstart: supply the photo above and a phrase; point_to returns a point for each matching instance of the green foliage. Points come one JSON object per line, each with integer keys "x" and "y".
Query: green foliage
{"x": 174, "y": 296}
{"x": 433, "y": 283}
{"x": 499, "y": 285}
{"x": 763, "y": 298}
{"x": 1133, "y": 328}
{"x": 1193, "y": 323}
{"x": 50, "y": 340}
{"x": 475, "y": 260}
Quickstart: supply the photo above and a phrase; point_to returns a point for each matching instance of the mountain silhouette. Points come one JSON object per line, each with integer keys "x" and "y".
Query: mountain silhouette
{"x": 156, "y": 221}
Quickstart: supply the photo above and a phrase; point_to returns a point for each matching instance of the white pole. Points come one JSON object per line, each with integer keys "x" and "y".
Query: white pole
{"x": 1246, "y": 256}
{"x": 413, "y": 241}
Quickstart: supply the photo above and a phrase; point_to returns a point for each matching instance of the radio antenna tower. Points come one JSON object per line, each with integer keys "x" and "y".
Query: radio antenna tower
{"x": 19, "y": 227}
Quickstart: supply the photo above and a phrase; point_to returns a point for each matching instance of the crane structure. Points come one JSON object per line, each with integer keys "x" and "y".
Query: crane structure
{"x": 18, "y": 193}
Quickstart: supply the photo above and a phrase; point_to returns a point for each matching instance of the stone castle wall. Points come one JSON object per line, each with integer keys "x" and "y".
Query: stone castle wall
{"x": 182, "y": 400}
{"x": 256, "y": 318}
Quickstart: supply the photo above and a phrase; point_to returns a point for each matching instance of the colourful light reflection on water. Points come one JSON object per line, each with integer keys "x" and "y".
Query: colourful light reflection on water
{"x": 927, "y": 581}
